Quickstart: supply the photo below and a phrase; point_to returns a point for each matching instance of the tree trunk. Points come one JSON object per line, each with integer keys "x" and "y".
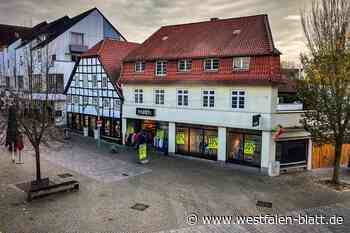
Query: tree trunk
{"x": 336, "y": 170}
{"x": 37, "y": 158}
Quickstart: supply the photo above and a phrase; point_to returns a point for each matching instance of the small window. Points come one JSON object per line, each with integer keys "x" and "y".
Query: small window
{"x": 106, "y": 103}
{"x": 77, "y": 38}
{"x": 85, "y": 81}
{"x": 238, "y": 99}
{"x": 116, "y": 104}
{"x": 211, "y": 64}
{"x": 76, "y": 99}
{"x": 39, "y": 55}
{"x": 184, "y": 65}
{"x": 138, "y": 96}
{"x": 85, "y": 100}
{"x": 95, "y": 101}
{"x": 104, "y": 82}
{"x": 208, "y": 99}
{"x": 182, "y": 98}
{"x": 159, "y": 96}
{"x": 140, "y": 66}
{"x": 94, "y": 81}
{"x": 161, "y": 68}
{"x": 241, "y": 63}
{"x": 69, "y": 99}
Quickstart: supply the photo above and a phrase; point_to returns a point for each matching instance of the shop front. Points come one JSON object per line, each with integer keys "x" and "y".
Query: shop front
{"x": 244, "y": 147}
{"x": 292, "y": 152}
{"x": 110, "y": 128}
{"x": 156, "y": 133}
{"x": 197, "y": 141}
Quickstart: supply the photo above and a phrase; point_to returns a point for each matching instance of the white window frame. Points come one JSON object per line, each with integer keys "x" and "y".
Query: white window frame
{"x": 94, "y": 80}
{"x": 116, "y": 104}
{"x": 241, "y": 62}
{"x": 76, "y": 99}
{"x": 159, "y": 96}
{"x": 182, "y": 95}
{"x": 209, "y": 95}
{"x": 211, "y": 64}
{"x": 187, "y": 64}
{"x": 238, "y": 96}
{"x": 95, "y": 101}
{"x": 85, "y": 100}
{"x": 138, "y": 96}
{"x": 106, "y": 103}
{"x": 104, "y": 81}
{"x": 163, "y": 68}
{"x": 140, "y": 67}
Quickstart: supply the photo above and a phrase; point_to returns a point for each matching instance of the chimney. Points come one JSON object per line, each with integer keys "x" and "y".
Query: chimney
{"x": 214, "y": 19}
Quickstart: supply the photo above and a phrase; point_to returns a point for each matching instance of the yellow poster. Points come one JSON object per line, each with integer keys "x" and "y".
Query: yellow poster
{"x": 212, "y": 142}
{"x": 249, "y": 147}
{"x": 180, "y": 138}
{"x": 142, "y": 152}
{"x": 160, "y": 134}
{"x": 130, "y": 129}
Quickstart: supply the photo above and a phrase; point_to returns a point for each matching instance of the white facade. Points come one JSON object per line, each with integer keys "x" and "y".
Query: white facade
{"x": 258, "y": 100}
{"x": 56, "y": 56}
{"x": 91, "y": 95}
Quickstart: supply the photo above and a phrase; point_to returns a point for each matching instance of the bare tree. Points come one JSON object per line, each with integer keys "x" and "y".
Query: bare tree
{"x": 35, "y": 113}
{"x": 326, "y": 88}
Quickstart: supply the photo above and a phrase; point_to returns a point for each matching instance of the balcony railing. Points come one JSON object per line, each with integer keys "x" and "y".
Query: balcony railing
{"x": 78, "y": 48}
{"x": 290, "y": 107}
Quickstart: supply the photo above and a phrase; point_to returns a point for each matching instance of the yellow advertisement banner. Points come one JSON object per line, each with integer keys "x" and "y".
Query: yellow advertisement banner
{"x": 212, "y": 142}
{"x": 249, "y": 147}
{"x": 142, "y": 152}
{"x": 180, "y": 138}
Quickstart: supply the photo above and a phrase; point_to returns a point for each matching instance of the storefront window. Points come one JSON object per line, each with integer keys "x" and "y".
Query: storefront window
{"x": 244, "y": 148}
{"x": 182, "y": 139}
{"x": 198, "y": 142}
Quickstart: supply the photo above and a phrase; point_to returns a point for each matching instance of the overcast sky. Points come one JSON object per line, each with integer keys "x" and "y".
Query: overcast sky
{"x": 138, "y": 19}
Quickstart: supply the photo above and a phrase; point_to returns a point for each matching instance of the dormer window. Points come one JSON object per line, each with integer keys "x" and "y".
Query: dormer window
{"x": 211, "y": 64}
{"x": 140, "y": 66}
{"x": 241, "y": 63}
{"x": 161, "y": 68}
{"x": 184, "y": 65}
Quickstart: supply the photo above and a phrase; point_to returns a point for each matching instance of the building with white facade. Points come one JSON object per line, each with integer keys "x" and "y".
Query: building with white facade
{"x": 49, "y": 53}
{"x": 210, "y": 90}
{"x": 93, "y": 91}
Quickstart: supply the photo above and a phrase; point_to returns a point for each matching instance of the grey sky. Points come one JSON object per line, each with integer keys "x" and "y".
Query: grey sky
{"x": 138, "y": 19}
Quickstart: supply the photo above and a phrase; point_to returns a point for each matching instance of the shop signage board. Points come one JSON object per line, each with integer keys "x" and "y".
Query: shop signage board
{"x": 212, "y": 142}
{"x": 256, "y": 120}
{"x": 145, "y": 111}
{"x": 142, "y": 152}
{"x": 180, "y": 138}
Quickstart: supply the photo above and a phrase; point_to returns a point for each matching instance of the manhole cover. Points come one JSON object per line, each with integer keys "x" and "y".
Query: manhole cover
{"x": 140, "y": 207}
{"x": 65, "y": 175}
{"x": 264, "y": 204}
{"x": 124, "y": 174}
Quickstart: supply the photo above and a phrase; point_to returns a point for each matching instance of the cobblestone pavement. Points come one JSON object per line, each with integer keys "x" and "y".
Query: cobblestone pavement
{"x": 91, "y": 164}
{"x": 172, "y": 188}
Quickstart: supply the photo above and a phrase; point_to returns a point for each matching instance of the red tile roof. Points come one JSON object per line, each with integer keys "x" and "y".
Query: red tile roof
{"x": 249, "y": 35}
{"x": 111, "y": 53}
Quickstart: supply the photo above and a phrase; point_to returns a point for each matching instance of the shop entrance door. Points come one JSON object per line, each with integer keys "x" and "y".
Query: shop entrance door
{"x": 291, "y": 153}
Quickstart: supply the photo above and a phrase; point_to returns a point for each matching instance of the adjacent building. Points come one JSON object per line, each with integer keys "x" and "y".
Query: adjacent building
{"x": 93, "y": 91}
{"x": 210, "y": 90}
{"x": 49, "y": 52}
{"x": 8, "y": 35}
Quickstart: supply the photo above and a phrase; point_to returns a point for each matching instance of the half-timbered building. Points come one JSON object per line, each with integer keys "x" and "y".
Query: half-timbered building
{"x": 93, "y": 93}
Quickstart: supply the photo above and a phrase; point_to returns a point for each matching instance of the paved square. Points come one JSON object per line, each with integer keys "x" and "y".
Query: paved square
{"x": 110, "y": 184}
